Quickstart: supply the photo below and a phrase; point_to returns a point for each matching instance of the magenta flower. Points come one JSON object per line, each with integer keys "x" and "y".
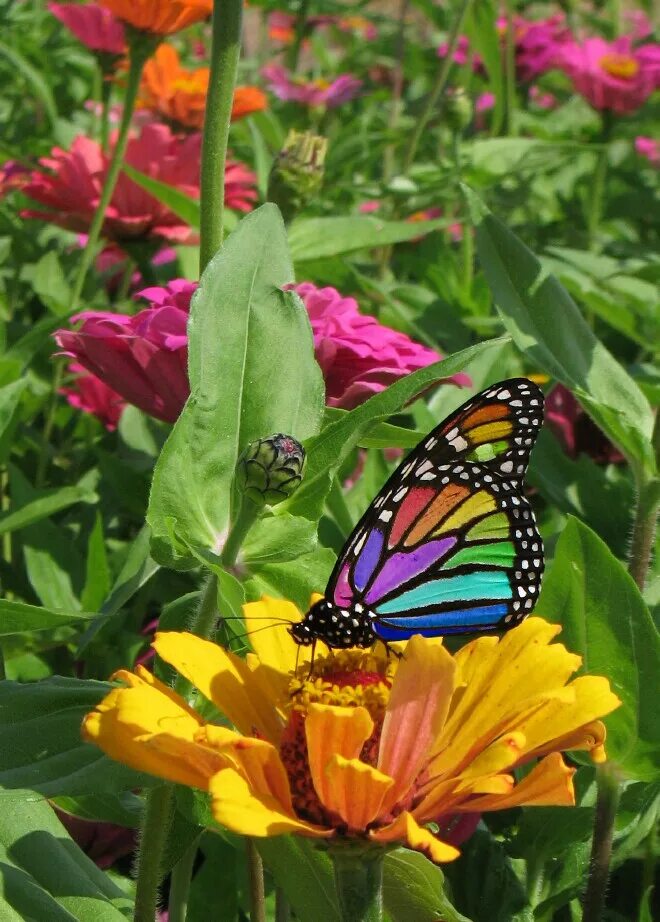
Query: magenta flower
{"x": 611, "y": 76}
{"x": 649, "y": 148}
{"x": 462, "y": 54}
{"x": 312, "y": 93}
{"x": 142, "y": 357}
{"x": 90, "y": 394}
{"x": 358, "y": 355}
{"x": 536, "y": 43}
{"x": 575, "y": 430}
{"x": 542, "y": 99}
{"x": 71, "y": 183}
{"x": 13, "y": 175}
{"x": 93, "y": 25}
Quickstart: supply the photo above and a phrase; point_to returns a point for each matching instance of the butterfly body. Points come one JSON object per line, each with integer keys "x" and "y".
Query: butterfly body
{"x": 450, "y": 544}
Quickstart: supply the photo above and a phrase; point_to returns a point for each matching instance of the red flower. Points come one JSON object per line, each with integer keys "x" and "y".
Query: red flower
{"x": 92, "y": 395}
{"x": 575, "y": 430}
{"x": 92, "y": 25}
{"x": 71, "y": 185}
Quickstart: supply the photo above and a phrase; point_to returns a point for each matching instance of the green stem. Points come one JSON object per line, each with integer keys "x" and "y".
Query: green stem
{"x": 156, "y": 821}
{"x": 255, "y": 869}
{"x": 106, "y": 95}
{"x": 397, "y": 91}
{"x": 644, "y": 525}
{"x": 510, "y": 71}
{"x": 359, "y": 882}
{"x": 595, "y": 208}
{"x": 337, "y": 506}
{"x": 601, "y": 848}
{"x": 141, "y": 47}
{"x": 49, "y": 424}
{"x": 436, "y": 94}
{"x": 300, "y": 28}
{"x": 177, "y": 906}
{"x": 225, "y": 51}
{"x": 282, "y": 908}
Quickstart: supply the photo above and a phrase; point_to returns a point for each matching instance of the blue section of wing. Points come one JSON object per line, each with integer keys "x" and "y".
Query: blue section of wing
{"x": 458, "y": 621}
{"x": 470, "y": 587}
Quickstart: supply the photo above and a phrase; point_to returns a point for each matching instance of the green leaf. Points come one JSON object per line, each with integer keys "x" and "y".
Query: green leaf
{"x": 137, "y": 570}
{"x": 277, "y": 538}
{"x": 48, "y": 502}
{"x": 481, "y": 29}
{"x": 320, "y": 238}
{"x": 97, "y": 580}
{"x": 605, "y": 620}
{"x": 10, "y": 399}
{"x": 295, "y": 579}
{"x": 45, "y": 876}
{"x": 18, "y": 617}
{"x": 382, "y": 435}
{"x": 305, "y": 875}
{"x": 413, "y": 888}
{"x": 41, "y": 745}
{"x": 327, "y": 451}
{"x": 252, "y": 373}
{"x": 34, "y": 79}
{"x": 547, "y": 326}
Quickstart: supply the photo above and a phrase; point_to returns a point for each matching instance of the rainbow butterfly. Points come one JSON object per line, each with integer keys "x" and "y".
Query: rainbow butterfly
{"x": 450, "y": 544}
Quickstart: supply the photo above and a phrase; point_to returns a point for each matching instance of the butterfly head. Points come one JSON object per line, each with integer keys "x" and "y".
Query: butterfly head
{"x": 336, "y": 627}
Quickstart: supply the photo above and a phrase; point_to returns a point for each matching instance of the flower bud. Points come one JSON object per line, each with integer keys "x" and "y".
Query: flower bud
{"x": 270, "y": 469}
{"x": 458, "y": 109}
{"x": 297, "y": 173}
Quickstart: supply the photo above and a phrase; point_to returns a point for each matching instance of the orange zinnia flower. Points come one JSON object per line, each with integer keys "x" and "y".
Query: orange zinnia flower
{"x": 179, "y": 94}
{"x": 160, "y": 17}
{"x": 362, "y": 749}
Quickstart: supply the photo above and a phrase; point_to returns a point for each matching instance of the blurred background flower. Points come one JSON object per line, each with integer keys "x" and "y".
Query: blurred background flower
{"x": 93, "y": 25}
{"x": 313, "y": 93}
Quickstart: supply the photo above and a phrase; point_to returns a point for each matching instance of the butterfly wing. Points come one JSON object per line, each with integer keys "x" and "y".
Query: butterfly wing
{"x": 450, "y": 544}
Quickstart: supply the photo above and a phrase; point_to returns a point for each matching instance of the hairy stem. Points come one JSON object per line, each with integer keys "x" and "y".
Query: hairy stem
{"x": 359, "y": 882}
{"x": 601, "y": 847}
{"x": 255, "y": 869}
{"x": 156, "y": 822}
{"x": 225, "y": 52}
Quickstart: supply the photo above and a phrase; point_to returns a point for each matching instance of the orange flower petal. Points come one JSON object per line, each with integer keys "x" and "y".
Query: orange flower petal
{"x": 504, "y": 753}
{"x": 161, "y": 17}
{"x": 355, "y": 791}
{"x": 549, "y": 784}
{"x": 152, "y": 731}
{"x": 240, "y": 809}
{"x": 330, "y": 731}
{"x": 406, "y": 829}
{"x": 223, "y": 678}
{"x": 417, "y": 709}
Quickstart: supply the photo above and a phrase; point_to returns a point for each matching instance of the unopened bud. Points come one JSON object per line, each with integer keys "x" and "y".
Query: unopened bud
{"x": 297, "y": 174}
{"x": 270, "y": 469}
{"x": 458, "y": 109}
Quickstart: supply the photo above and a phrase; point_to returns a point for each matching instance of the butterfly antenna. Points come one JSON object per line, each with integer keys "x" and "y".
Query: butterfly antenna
{"x": 311, "y": 659}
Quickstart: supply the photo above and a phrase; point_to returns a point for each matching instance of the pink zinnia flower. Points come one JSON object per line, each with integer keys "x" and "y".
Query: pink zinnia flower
{"x": 462, "y": 53}
{"x": 92, "y": 25}
{"x": 575, "y": 430}
{"x": 311, "y": 93}
{"x": 648, "y": 148}
{"x": 13, "y": 175}
{"x": 536, "y": 43}
{"x": 70, "y": 186}
{"x": 142, "y": 357}
{"x": 611, "y": 75}
{"x": 358, "y": 355}
{"x": 91, "y": 395}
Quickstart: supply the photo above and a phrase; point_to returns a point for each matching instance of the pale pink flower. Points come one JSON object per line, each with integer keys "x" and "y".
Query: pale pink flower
{"x": 88, "y": 393}
{"x": 358, "y": 355}
{"x": 485, "y": 102}
{"x": 542, "y": 99}
{"x": 71, "y": 183}
{"x": 370, "y": 206}
{"x": 639, "y": 24}
{"x": 462, "y": 54}
{"x": 649, "y": 148}
{"x": 312, "y": 93}
{"x": 92, "y": 25}
{"x": 612, "y": 76}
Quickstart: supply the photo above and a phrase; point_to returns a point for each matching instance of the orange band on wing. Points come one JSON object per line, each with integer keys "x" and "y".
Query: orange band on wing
{"x": 442, "y": 505}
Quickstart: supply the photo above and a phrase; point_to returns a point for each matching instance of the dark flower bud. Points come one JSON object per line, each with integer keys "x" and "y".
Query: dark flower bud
{"x": 458, "y": 109}
{"x": 297, "y": 173}
{"x": 270, "y": 469}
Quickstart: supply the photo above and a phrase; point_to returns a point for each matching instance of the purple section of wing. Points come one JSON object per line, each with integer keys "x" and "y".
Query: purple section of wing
{"x": 369, "y": 555}
{"x": 343, "y": 594}
{"x": 405, "y": 565}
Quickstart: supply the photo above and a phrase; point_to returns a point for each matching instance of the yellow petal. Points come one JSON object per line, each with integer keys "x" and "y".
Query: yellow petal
{"x": 419, "y": 702}
{"x": 549, "y": 784}
{"x": 274, "y": 647}
{"x": 406, "y": 829}
{"x": 332, "y": 730}
{"x": 258, "y": 761}
{"x": 570, "y": 724}
{"x": 237, "y": 807}
{"x": 223, "y": 678}
{"x": 148, "y": 727}
{"x": 355, "y": 791}
{"x": 504, "y": 753}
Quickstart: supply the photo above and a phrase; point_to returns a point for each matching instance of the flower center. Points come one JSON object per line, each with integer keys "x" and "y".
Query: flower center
{"x": 347, "y": 678}
{"x": 619, "y": 65}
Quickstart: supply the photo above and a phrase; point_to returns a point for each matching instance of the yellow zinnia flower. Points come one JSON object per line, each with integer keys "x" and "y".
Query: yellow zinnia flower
{"x": 366, "y": 746}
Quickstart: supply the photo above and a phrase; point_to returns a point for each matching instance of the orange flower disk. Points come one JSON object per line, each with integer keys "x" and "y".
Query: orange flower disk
{"x": 179, "y": 94}
{"x": 160, "y": 17}
{"x": 363, "y": 748}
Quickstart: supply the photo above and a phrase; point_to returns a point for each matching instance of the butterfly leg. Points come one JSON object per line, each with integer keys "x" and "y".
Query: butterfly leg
{"x": 391, "y": 651}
